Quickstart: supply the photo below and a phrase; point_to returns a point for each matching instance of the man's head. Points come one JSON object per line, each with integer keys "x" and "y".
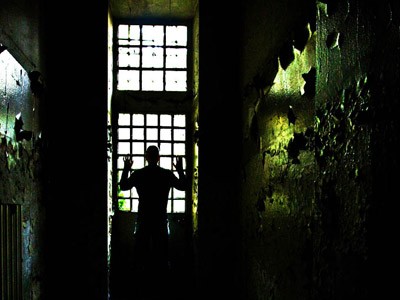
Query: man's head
{"x": 152, "y": 155}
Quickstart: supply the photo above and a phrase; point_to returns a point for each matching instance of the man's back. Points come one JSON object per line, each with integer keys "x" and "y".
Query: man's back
{"x": 153, "y": 185}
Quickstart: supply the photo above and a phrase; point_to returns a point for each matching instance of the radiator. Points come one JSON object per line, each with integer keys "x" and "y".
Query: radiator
{"x": 10, "y": 252}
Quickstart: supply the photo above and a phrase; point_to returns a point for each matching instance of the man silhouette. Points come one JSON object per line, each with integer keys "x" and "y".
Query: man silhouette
{"x": 153, "y": 184}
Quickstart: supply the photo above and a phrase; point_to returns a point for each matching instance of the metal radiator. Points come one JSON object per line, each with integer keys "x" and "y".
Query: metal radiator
{"x": 10, "y": 252}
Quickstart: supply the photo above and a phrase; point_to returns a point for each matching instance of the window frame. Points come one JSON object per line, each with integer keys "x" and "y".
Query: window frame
{"x": 131, "y": 195}
{"x": 156, "y": 102}
{"x": 177, "y": 95}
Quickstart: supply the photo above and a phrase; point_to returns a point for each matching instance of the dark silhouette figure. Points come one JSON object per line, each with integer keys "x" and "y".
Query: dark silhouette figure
{"x": 153, "y": 184}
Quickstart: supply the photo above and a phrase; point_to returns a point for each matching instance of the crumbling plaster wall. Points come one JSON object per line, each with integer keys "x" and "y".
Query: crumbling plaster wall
{"x": 21, "y": 148}
{"x": 356, "y": 133}
{"x": 21, "y": 166}
{"x": 317, "y": 219}
{"x": 278, "y": 159}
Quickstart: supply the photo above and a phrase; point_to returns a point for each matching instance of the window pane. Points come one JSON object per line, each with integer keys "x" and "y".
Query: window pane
{"x": 176, "y": 35}
{"x": 128, "y": 80}
{"x": 165, "y": 134}
{"x": 120, "y": 162}
{"x": 134, "y": 34}
{"x": 137, "y": 120}
{"x": 179, "y": 194}
{"x": 179, "y": 134}
{"x": 152, "y": 134}
{"x": 135, "y": 205}
{"x": 179, "y": 206}
{"x": 131, "y": 32}
{"x": 123, "y": 31}
{"x": 165, "y": 162}
{"x": 179, "y": 149}
{"x": 151, "y": 144}
{"x": 163, "y": 130}
{"x": 138, "y": 162}
{"x": 165, "y": 120}
{"x": 124, "y": 119}
{"x": 128, "y": 57}
{"x": 123, "y": 204}
{"x": 138, "y": 133}
{"x": 153, "y": 57}
{"x": 165, "y": 149}
{"x": 124, "y": 133}
{"x": 175, "y": 58}
{"x": 137, "y": 148}
{"x": 169, "y": 210}
{"x": 152, "y": 81}
{"x": 175, "y": 80}
{"x": 123, "y": 148}
{"x": 151, "y": 120}
{"x": 125, "y": 194}
{"x": 179, "y": 121}
{"x": 153, "y": 35}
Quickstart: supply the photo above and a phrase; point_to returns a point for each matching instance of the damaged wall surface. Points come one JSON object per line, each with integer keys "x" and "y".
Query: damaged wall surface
{"x": 317, "y": 176}
{"x": 21, "y": 184}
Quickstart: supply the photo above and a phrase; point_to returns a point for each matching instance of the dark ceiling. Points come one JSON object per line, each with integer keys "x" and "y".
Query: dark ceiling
{"x": 176, "y": 9}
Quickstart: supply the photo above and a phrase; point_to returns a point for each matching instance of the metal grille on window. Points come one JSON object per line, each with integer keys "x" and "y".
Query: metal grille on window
{"x": 152, "y": 58}
{"x": 138, "y": 131}
{"x": 10, "y": 252}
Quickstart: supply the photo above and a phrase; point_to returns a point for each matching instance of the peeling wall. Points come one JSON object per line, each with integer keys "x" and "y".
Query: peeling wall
{"x": 278, "y": 160}
{"x": 20, "y": 29}
{"x": 356, "y": 130}
{"x": 319, "y": 162}
{"x": 21, "y": 166}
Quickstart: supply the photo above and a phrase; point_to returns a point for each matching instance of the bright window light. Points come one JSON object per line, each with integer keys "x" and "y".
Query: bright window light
{"x": 128, "y": 57}
{"x": 152, "y": 134}
{"x": 152, "y": 58}
{"x": 179, "y": 206}
{"x": 176, "y": 58}
{"x": 124, "y": 133}
{"x": 137, "y": 120}
{"x": 153, "y": 81}
{"x": 128, "y": 80}
{"x": 136, "y": 132}
{"x": 175, "y": 81}
{"x": 176, "y": 35}
{"x": 153, "y": 35}
{"x": 151, "y": 120}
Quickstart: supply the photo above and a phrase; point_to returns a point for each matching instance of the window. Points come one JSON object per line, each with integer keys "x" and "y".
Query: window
{"x": 138, "y": 131}
{"x": 152, "y": 58}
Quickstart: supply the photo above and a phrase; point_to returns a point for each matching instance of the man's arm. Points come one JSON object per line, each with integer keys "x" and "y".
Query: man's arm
{"x": 181, "y": 183}
{"x": 124, "y": 182}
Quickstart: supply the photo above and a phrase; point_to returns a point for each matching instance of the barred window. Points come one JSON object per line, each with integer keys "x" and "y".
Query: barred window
{"x": 152, "y": 57}
{"x": 136, "y": 132}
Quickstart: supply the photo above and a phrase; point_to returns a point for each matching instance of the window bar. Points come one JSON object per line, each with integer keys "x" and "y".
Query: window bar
{"x": 164, "y": 58}
{"x": 130, "y": 149}
{"x": 140, "y": 57}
